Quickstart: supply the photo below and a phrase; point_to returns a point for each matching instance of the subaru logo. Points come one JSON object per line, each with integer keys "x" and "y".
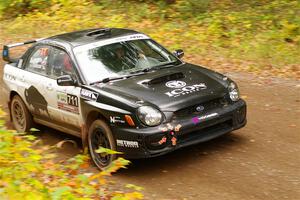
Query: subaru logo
{"x": 175, "y": 84}
{"x": 199, "y": 108}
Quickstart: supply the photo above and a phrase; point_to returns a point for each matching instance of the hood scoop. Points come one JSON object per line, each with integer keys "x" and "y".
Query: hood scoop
{"x": 164, "y": 78}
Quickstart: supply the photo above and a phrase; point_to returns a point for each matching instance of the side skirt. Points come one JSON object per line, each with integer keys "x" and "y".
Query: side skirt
{"x": 62, "y": 128}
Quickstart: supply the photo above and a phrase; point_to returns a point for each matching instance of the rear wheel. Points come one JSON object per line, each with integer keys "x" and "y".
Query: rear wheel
{"x": 100, "y": 135}
{"x": 21, "y": 117}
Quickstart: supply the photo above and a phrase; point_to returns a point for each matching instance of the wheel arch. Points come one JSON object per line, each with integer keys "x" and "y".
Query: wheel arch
{"x": 12, "y": 93}
{"x": 90, "y": 118}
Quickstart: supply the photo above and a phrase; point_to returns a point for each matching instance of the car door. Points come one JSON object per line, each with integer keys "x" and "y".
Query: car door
{"x": 33, "y": 77}
{"x": 63, "y": 100}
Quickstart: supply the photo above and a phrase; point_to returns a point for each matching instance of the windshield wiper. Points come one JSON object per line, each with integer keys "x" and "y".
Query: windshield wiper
{"x": 108, "y": 79}
{"x": 142, "y": 70}
{"x": 136, "y": 73}
{"x": 105, "y": 80}
{"x": 165, "y": 65}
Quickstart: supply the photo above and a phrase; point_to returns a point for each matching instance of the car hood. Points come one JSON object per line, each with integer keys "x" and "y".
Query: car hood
{"x": 171, "y": 89}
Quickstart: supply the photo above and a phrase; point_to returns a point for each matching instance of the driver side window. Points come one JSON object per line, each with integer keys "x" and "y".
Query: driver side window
{"x": 61, "y": 64}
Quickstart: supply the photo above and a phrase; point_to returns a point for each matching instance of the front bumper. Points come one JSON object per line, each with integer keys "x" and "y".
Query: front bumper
{"x": 189, "y": 130}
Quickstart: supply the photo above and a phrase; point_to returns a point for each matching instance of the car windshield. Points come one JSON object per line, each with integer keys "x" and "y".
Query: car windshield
{"x": 121, "y": 58}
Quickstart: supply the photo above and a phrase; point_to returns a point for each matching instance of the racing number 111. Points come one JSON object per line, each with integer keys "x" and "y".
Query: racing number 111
{"x": 72, "y": 100}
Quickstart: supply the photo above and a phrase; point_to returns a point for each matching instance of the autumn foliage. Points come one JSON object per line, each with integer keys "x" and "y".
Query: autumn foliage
{"x": 31, "y": 171}
{"x": 256, "y": 35}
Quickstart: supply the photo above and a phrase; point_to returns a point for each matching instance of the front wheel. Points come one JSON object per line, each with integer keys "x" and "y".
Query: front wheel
{"x": 21, "y": 117}
{"x": 100, "y": 135}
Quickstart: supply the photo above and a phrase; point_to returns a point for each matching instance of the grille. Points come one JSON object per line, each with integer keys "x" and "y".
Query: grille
{"x": 216, "y": 103}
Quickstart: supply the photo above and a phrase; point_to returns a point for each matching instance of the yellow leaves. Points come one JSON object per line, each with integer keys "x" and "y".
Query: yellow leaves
{"x": 135, "y": 187}
{"x": 134, "y": 195}
{"x": 102, "y": 150}
{"x": 231, "y": 17}
{"x": 2, "y": 113}
{"x": 34, "y": 173}
{"x": 127, "y": 196}
{"x": 115, "y": 166}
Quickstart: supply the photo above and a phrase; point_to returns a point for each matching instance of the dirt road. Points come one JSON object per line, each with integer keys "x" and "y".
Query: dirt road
{"x": 260, "y": 161}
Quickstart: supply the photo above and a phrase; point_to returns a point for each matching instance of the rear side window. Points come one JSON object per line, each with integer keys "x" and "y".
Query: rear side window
{"x": 39, "y": 61}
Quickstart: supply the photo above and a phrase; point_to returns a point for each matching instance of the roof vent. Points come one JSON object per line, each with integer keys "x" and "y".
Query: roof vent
{"x": 99, "y": 32}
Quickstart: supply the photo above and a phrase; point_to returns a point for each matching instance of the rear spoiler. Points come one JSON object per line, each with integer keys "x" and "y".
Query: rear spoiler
{"x": 5, "y": 53}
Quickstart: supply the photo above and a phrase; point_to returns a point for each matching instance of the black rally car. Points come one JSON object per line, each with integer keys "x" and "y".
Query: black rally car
{"x": 119, "y": 89}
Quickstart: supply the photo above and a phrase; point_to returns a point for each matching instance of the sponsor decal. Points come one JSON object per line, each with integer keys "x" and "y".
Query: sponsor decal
{"x": 10, "y": 77}
{"x": 175, "y": 84}
{"x": 163, "y": 129}
{"x": 137, "y": 37}
{"x": 197, "y": 120}
{"x": 174, "y": 141}
{"x": 163, "y": 140}
{"x": 169, "y": 126}
{"x": 177, "y": 128}
{"x": 89, "y": 95}
{"x": 129, "y": 144}
{"x": 83, "y": 48}
{"x": 173, "y": 134}
{"x": 199, "y": 108}
{"x": 186, "y": 90}
{"x": 67, "y": 102}
{"x": 116, "y": 119}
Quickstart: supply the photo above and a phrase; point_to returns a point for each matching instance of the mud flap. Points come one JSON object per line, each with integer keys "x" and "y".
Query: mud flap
{"x": 9, "y": 104}
{"x": 84, "y": 136}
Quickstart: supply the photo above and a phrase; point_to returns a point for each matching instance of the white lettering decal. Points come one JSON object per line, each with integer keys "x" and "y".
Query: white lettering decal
{"x": 88, "y": 94}
{"x": 129, "y": 144}
{"x": 197, "y": 120}
{"x": 208, "y": 116}
{"x": 116, "y": 119}
{"x": 186, "y": 90}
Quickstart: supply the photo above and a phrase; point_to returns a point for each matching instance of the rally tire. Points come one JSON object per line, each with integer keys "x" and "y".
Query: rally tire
{"x": 101, "y": 135}
{"x": 21, "y": 117}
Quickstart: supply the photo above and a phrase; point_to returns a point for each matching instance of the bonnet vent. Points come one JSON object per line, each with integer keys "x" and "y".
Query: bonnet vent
{"x": 164, "y": 78}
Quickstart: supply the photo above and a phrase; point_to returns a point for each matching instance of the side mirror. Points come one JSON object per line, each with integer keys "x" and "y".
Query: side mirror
{"x": 178, "y": 53}
{"x": 65, "y": 80}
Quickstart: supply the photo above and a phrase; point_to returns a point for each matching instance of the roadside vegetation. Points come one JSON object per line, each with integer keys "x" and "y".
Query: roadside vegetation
{"x": 261, "y": 36}
{"x": 31, "y": 171}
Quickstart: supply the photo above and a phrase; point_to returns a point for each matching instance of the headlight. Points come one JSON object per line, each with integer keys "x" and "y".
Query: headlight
{"x": 149, "y": 115}
{"x": 233, "y": 92}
